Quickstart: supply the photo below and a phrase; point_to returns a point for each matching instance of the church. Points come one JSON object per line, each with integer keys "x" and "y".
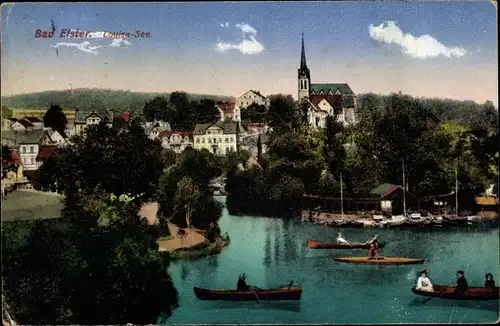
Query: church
{"x": 325, "y": 99}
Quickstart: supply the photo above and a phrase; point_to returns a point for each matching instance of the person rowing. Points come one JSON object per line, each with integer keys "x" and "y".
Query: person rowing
{"x": 462, "y": 286}
{"x": 374, "y": 247}
{"x": 243, "y": 286}
{"x": 424, "y": 283}
{"x": 340, "y": 238}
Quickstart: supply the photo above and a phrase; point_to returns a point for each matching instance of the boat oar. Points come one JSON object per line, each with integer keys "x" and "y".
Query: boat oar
{"x": 256, "y": 296}
{"x": 427, "y": 299}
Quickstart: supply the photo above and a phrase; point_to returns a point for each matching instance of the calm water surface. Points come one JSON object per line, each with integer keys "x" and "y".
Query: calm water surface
{"x": 273, "y": 252}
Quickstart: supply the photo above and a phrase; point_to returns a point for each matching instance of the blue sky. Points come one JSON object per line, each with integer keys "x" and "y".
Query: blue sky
{"x": 457, "y": 59}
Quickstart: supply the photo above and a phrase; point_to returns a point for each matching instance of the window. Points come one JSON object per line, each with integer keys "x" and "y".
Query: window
{"x": 203, "y": 140}
{"x": 32, "y": 149}
{"x": 215, "y": 140}
{"x": 317, "y": 121}
{"x": 305, "y": 82}
{"x": 209, "y": 140}
{"x": 226, "y": 140}
{"x": 209, "y": 132}
{"x": 197, "y": 140}
{"x": 24, "y": 150}
{"x": 32, "y": 160}
{"x": 231, "y": 139}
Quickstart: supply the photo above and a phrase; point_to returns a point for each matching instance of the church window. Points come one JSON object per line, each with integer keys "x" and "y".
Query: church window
{"x": 317, "y": 122}
{"x": 305, "y": 84}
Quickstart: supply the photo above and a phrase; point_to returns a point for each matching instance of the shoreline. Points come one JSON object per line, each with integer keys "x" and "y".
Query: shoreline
{"x": 379, "y": 221}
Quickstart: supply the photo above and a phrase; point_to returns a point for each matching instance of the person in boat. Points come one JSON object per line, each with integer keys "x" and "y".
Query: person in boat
{"x": 424, "y": 283}
{"x": 340, "y": 238}
{"x": 373, "y": 252}
{"x": 489, "y": 282}
{"x": 462, "y": 286}
{"x": 242, "y": 284}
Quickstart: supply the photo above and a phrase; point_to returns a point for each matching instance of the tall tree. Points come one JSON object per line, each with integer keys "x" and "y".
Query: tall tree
{"x": 184, "y": 111}
{"x": 334, "y": 151}
{"x": 255, "y": 113}
{"x": 55, "y": 118}
{"x": 282, "y": 114}
{"x": 207, "y": 112}
{"x": 158, "y": 109}
{"x": 186, "y": 197}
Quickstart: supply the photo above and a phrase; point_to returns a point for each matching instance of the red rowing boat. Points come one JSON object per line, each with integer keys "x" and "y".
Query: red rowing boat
{"x": 335, "y": 245}
{"x": 380, "y": 260}
{"x": 448, "y": 292}
{"x": 281, "y": 294}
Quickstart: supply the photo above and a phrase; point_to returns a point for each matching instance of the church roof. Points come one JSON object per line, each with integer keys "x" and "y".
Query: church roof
{"x": 334, "y": 100}
{"x": 344, "y": 89}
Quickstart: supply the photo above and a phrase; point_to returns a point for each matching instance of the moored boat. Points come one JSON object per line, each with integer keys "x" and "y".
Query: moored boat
{"x": 281, "y": 294}
{"x": 447, "y": 292}
{"x": 396, "y": 220}
{"x": 380, "y": 260}
{"x": 334, "y": 245}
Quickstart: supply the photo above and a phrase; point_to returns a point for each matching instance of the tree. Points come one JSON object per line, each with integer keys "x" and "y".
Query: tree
{"x": 334, "y": 151}
{"x": 184, "y": 111}
{"x": 108, "y": 273}
{"x": 207, "y": 112}
{"x": 254, "y": 113}
{"x": 158, "y": 109}
{"x": 55, "y": 118}
{"x": 106, "y": 160}
{"x": 282, "y": 114}
{"x": 186, "y": 197}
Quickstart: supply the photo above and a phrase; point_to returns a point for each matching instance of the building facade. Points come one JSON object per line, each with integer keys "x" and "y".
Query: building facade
{"x": 85, "y": 119}
{"x": 325, "y": 99}
{"x": 29, "y": 145}
{"x": 219, "y": 138}
{"x": 251, "y": 97}
{"x": 177, "y": 141}
{"x": 229, "y": 111}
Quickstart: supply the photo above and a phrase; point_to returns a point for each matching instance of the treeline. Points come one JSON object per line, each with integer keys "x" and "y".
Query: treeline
{"x": 393, "y": 132}
{"x": 99, "y": 263}
{"x": 117, "y": 101}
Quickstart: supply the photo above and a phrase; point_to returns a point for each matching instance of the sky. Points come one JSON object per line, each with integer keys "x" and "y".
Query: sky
{"x": 441, "y": 49}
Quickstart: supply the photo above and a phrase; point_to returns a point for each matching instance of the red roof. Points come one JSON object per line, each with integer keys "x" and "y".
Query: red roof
{"x": 334, "y": 100}
{"x": 173, "y": 132}
{"x": 14, "y": 158}
{"x": 45, "y": 152}
{"x": 125, "y": 116}
{"x": 226, "y": 107}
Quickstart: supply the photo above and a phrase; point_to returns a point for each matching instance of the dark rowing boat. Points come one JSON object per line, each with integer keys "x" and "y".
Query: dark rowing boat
{"x": 447, "y": 292}
{"x": 334, "y": 245}
{"x": 260, "y": 294}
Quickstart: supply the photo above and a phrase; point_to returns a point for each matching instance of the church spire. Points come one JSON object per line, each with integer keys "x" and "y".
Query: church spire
{"x": 303, "y": 64}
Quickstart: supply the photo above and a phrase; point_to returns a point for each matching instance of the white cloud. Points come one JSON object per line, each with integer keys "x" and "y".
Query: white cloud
{"x": 225, "y": 25}
{"x": 421, "y": 47}
{"x": 84, "y": 46}
{"x": 120, "y": 42}
{"x": 249, "y": 45}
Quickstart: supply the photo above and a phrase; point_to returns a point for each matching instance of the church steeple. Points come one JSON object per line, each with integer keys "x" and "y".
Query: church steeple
{"x": 304, "y": 75}
{"x": 303, "y": 63}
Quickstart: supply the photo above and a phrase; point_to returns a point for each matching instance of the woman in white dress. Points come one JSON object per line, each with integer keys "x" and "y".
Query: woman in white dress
{"x": 424, "y": 283}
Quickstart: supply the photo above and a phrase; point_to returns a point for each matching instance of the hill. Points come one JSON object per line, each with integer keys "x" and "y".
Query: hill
{"x": 85, "y": 99}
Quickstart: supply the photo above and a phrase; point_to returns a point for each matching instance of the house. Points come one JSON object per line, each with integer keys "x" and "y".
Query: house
{"x": 55, "y": 138}
{"x": 44, "y": 154}
{"x": 154, "y": 128}
{"x": 219, "y": 138}
{"x": 9, "y": 138}
{"x": 229, "y": 111}
{"x": 121, "y": 120}
{"x": 256, "y": 128}
{"x": 251, "y": 144}
{"x": 176, "y": 140}
{"x": 391, "y": 198}
{"x": 251, "y": 97}
{"x": 29, "y": 142}
{"x": 85, "y": 119}
{"x": 21, "y": 124}
{"x": 325, "y": 99}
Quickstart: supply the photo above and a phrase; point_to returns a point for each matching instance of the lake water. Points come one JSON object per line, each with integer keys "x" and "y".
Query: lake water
{"x": 273, "y": 252}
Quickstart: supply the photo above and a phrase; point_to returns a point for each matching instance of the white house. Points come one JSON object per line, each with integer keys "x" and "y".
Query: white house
{"x": 154, "y": 128}
{"x": 85, "y": 119}
{"x": 176, "y": 140}
{"x": 20, "y": 125}
{"x": 229, "y": 111}
{"x": 29, "y": 143}
{"x": 219, "y": 138}
{"x": 250, "y": 97}
{"x": 53, "y": 137}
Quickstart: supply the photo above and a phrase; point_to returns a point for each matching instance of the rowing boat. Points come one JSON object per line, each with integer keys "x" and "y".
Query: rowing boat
{"x": 334, "y": 245}
{"x": 259, "y": 294}
{"x": 447, "y": 292}
{"x": 380, "y": 260}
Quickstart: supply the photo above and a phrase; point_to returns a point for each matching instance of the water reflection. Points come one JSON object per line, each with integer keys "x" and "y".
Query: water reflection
{"x": 292, "y": 306}
{"x": 444, "y": 303}
{"x": 267, "y": 249}
{"x": 184, "y": 272}
{"x": 277, "y": 243}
